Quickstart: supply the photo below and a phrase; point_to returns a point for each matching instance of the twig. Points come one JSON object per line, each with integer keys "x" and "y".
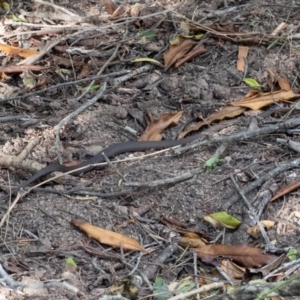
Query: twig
{"x": 56, "y": 7}
{"x": 244, "y": 135}
{"x": 160, "y": 182}
{"x": 79, "y": 110}
{"x": 195, "y": 272}
{"x": 60, "y": 85}
{"x": 113, "y": 167}
{"x": 269, "y": 246}
{"x": 250, "y": 187}
{"x": 15, "y": 284}
{"x": 203, "y": 289}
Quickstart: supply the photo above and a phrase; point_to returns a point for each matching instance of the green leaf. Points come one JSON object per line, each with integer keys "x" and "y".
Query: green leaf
{"x": 273, "y": 44}
{"x": 150, "y": 35}
{"x": 150, "y": 60}
{"x": 194, "y": 37}
{"x": 185, "y": 285}
{"x": 5, "y": 5}
{"x": 226, "y": 220}
{"x": 211, "y": 163}
{"x": 292, "y": 254}
{"x": 70, "y": 264}
{"x": 252, "y": 83}
{"x": 16, "y": 19}
{"x": 160, "y": 289}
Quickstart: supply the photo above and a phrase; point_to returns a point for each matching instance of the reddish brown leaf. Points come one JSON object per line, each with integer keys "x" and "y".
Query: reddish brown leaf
{"x": 226, "y": 112}
{"x": 113, "y": 239}
{"x": 156, "y": 126}
{"x": 110, "y": 6}
{"x": 249, "y": 257}
{"x": 286, "y": 189}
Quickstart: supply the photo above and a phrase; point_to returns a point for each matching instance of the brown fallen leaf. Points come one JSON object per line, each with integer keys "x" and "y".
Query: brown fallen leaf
{"x": 243, "y": 53}
{"x": 177, "y": 52}
{"x": 246, "y": 256}
{"x": 192, "y": 240}
{"x": 110, "y": 238}
{"x": 260, "y": 100}
{"x": 110, "y": 6}
{"x": 156, "y": 126}
{"x": 226, "y": 112}
{"x": 16, "y": 51}
{"x": 255, "y": 232}
{"x": 285, "y": 190}
{"x": 232, "y": 269}
{"x": 194, "y": 52}
{"x": 284, "y": 84}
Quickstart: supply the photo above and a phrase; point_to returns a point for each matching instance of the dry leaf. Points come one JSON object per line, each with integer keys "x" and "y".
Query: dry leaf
{"x": 272, "y": 75}
{"x": 286, "y": 189}
{"x": 255, "y": 230}
{"x": 226, "y": 112}
{"x": 249, "y": 257}
{"x": 156, "y": 126}
{"x": 284, "y": 84}
{"x": 177, "y": 52}
{"x": 279, "y": 28}
{"x": 243, "y": 53}
{"x": 232, "y": 269}
{"x": 196, "y": 51}
{"x": 260, "y": 100}
{"x": 14, "y": 51}
{"x": 110, "y": 238}
{"x": 110, "y": 6}
{"x": 192, "y": 240}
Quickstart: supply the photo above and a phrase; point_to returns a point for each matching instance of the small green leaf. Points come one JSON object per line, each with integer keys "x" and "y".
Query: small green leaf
{"x": 16, "y": 19}
{"x": 5, "y": 5}
{"x": 194, "y": 37}
{"x": 292, "y": 254}
{"x": 70, "y": 264}
{"x": 29, "y": 82}
{"x": 160, "y": 289}
{"x": 273, "y": 44}
{"x": 150, "y": 60}
{"x": 211, "y": 163}
{"x": 185, "y": 285}
{"x": 226, "y": 220}
{"x": 252, "y": 83}
{"x": 150, "y": 35}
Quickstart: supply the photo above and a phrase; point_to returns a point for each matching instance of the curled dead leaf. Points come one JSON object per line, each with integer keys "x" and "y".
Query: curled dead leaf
{"x": 260, "y": 100}
{"x": 226, "y": 112}
{"x": 154, "y": 129}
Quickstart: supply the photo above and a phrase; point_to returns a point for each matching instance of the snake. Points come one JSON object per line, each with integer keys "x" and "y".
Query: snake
{"x": 111, "y": 151}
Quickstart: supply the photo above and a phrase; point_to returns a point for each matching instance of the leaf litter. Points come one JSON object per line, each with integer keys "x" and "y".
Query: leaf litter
{"x": 198, "y": 68}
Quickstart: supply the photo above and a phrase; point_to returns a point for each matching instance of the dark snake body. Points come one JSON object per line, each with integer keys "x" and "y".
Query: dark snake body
{"x": 110, "y": 151}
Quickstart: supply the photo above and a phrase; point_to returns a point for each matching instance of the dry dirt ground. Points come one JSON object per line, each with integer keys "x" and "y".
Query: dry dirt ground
{"x": 38, "y": 237}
